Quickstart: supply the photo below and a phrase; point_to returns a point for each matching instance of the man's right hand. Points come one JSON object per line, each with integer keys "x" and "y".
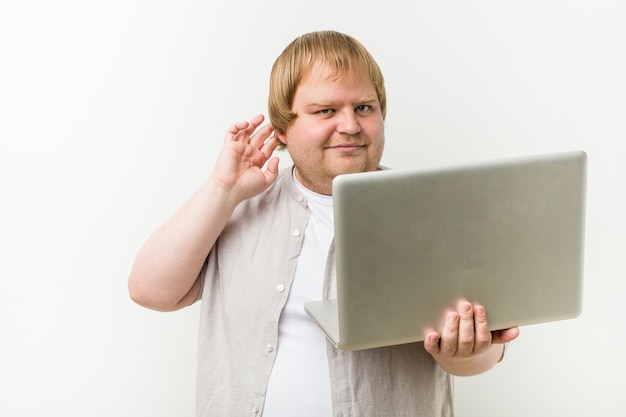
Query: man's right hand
{"x": 247, "y": 148}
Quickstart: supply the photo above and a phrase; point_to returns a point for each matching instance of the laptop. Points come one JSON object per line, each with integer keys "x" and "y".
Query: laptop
{"x": 410, "y": 243}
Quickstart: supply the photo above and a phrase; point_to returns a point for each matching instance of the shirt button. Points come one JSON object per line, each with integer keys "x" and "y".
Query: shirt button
{"x": 269, "y": 348}
{"x": 300, "y": 198}
{"x": 255, "y": 409}
{"x": 296, "y": 232}
{"x": 280, "y": 288}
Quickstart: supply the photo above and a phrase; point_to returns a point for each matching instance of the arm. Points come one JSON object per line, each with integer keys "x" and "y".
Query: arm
{"x": 165, "y": 274}
{"x": 466, "y": 346}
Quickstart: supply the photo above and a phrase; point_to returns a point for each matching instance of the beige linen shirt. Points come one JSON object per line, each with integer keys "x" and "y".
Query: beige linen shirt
{"x": 247, "y": 278}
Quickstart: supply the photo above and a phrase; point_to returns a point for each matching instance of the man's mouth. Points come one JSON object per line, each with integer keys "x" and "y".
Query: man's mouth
{"x": 347, "y": 147}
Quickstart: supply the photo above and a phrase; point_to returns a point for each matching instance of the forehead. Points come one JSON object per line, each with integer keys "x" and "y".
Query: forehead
{"x": 320, "y": 74}
{"x": 320, "y": 71}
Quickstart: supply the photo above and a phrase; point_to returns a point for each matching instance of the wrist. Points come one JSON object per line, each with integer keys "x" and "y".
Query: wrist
{"x": 217, "y": 191}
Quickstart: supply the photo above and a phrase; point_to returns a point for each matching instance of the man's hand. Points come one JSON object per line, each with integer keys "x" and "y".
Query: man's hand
{"x": 239, "y": 167}
{"x": 465, "y": 345}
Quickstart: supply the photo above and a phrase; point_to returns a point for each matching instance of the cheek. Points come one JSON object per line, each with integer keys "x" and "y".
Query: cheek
{"x": 311, "y": 134}
{"x": 375, "y": 128}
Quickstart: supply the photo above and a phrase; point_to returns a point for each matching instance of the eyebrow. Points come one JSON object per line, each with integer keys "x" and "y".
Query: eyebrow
{"x": 366, "y": 99}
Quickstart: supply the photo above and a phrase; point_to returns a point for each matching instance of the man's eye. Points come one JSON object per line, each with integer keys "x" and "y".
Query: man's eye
{"x": 362, "y": 108}
{"x": 325, "y": 111}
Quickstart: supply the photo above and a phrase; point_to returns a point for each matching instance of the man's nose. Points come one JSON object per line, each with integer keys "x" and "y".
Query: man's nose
{"x": 348, "y": 123}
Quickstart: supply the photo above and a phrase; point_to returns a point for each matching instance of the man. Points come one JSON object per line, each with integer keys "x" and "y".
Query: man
{"x": 255, "y": 243}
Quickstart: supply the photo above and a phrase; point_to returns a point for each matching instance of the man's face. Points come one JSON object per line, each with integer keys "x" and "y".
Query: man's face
{"x": 339, "y": 129}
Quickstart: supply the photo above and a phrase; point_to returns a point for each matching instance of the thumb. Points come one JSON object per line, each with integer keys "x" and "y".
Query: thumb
{"x": 271, "y": 171}
{"x": 505, "y": 336}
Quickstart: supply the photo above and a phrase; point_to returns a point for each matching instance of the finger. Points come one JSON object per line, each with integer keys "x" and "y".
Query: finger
{"x": 235, "y": 128}
{"x": 260, "y": 136}
{"x": 506, "y": 335}
{"x": 241, "y": 131}
{"x": 269, "y": 146}
{"x": 271, "y": 171}
{"x": 254, "y": 123}
{"x": 482, "y": 335}
{"x": 449, "y": 335}
{"x": 431, "y": 343}
{"x": 466, "y": 329}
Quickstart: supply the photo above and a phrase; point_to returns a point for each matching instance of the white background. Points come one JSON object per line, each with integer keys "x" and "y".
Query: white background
{"x": 112, "y": 112}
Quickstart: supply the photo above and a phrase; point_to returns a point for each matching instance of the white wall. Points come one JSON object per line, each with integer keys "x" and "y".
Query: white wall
{"x": 111, "y": 114}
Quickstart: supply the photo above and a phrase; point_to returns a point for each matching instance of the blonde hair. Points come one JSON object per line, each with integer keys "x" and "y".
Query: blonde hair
{"x": 344, "y": 55}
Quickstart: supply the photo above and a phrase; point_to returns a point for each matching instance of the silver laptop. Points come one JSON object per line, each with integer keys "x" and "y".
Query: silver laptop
{"x": 409, "y": 244}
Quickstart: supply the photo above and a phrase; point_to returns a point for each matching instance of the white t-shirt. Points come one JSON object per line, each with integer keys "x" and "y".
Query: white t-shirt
{"x": 299, "y": 384}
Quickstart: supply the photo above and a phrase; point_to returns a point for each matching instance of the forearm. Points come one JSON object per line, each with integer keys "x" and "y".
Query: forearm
{"x": 165, "y": 273}
{"x": 473, "y": 365}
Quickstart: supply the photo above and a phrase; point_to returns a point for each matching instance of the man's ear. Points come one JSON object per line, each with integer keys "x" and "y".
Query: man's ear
{"x": 281, "y": 137}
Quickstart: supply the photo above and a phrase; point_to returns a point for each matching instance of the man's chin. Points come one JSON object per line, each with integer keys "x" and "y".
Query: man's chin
{"x": 355, "y": 167}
